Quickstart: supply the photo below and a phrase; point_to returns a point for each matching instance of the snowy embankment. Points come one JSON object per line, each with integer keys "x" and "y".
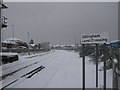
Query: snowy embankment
{"x": 63, "y": 69}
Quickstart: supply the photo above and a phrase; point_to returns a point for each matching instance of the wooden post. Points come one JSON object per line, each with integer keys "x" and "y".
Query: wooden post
{"x": 104, "y": 66}
{"x": 96, "y": 65}
{"x": 83, "y": 62}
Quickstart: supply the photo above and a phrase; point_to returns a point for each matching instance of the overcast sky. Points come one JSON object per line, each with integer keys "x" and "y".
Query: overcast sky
{"x": 60, "y": 23}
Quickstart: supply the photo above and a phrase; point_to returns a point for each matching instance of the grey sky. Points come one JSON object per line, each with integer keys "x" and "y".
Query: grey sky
{"x": 60, "y": 22}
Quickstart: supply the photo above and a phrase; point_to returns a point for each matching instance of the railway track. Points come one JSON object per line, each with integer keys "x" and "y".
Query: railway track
{"x": 30, "y": 73}
{"x": 51, "y": 52}
{"x": 27, "y": 66}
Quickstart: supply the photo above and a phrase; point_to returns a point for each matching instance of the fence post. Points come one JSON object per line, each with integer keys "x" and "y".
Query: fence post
{"x": 104, "y": 59}
{"x": 83, "y": 62}
{"x": 118, "y": 45}
{"x": 96, "y": 65}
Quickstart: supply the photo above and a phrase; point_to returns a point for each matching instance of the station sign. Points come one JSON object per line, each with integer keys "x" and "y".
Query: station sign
{"x": 94, "y": 38}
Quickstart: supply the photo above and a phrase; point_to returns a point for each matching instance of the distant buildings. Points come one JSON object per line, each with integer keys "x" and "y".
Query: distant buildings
{"x": 42, "y": 46}
{"x": 15, "y": 43}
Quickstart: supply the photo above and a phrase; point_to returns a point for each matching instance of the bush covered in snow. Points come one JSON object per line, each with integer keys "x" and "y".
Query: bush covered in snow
{"x": 112, "y": 52}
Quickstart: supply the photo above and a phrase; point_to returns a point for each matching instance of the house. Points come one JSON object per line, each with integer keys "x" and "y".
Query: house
{"x": 32, "y": 46}
{"x": 8, "y": 44}
{"x": 13, "y": 43}
{"x": 45, "y": 45}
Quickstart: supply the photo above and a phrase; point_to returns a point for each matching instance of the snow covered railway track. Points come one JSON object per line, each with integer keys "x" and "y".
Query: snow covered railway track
{"x": 50, "y": 52}
{"x": 15, "y": 71}
{"x": 28, "y": 68}
{"x": 9, "y": 74}
{"x": 27, "y": 75}
{"x": 24, "y": 65}
{"x": 31, "y": 73}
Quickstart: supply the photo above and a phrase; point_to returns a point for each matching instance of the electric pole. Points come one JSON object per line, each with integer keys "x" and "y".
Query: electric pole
{"x": 13, "y": 32}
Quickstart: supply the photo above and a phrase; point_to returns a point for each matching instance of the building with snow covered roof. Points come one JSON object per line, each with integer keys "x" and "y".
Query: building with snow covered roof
{"x": 13, "y": 43}
{"x": 16, "y": 40}
{"x": 9, "y": 44}
{"x": 44, "y": 45}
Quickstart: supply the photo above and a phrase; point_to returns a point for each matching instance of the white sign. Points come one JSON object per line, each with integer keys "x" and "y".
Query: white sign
{"x": 94, "y": 38}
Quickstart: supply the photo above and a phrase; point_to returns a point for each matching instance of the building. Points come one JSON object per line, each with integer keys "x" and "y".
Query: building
{"x": 33, "y": 46}
{"x": 8, "y": 44}
{"x": 16, "y": 40}
{"x": 13, "y": 43}
{"x": 44, "y": 45}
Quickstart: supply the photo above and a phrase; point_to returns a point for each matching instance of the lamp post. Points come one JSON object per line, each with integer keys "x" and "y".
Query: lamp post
{"x": 13, "y": 31}
{"x": 28, "y": 43}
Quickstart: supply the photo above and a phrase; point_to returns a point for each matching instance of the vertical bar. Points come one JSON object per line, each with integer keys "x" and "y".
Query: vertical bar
{"x": 104, "y": 66}
{"x": 83, "y": 55}
{"x": 0, "y": 34}
{"x": 113, "y": 67}
{"x": 96, "y": 65}
{"x": 13, "y": 31}
{"x": 0, "y": 44}
{"x": 118, "y": 45}
{"x": 0, "y": 26}
{"x": 28, "y": 44}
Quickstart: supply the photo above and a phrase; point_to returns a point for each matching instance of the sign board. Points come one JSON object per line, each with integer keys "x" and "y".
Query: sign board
{"x": 94, "y": 38}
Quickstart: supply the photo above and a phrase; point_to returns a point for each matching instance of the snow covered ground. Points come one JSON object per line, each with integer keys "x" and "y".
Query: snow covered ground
{"x": 63, "y": 69}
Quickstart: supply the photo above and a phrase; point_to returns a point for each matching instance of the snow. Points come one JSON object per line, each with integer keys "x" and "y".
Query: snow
{"x": 8, "y": 42}
{"x": 63, "y": 69}
{"x": 7, "y": 54}
{"x": 9, "y": 39}
{"x": 32, "y": 45}
{"x": 115, "y": 61}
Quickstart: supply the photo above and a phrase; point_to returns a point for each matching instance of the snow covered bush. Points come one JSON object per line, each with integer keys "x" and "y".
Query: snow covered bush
{"x": 112, "y": 52}
{"x": 88, "y": 50}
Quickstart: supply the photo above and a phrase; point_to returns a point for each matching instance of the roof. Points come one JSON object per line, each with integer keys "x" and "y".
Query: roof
{"x": 115, "y": 41}
{"x": 12, "y": 38}
{"x": 8, "y": 42}
{"x": 15, "y": 39}
{"x": 32, "y": 45}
